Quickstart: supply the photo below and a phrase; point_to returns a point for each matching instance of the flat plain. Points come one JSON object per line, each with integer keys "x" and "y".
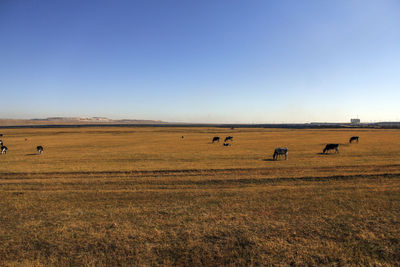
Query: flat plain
{"x": 116, "y": 196}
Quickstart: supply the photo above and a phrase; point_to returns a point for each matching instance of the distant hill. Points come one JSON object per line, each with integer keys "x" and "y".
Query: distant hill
{"x": 102, "y": 121}
{"x": 74, "y": 120}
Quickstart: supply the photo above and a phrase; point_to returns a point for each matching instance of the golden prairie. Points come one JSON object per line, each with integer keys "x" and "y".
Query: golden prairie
{"x": 110, "y": 196}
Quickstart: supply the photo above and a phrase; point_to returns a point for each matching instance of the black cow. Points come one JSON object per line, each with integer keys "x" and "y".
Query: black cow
{"x": 331, "y": 147}
{"x": 4, "y": 149}
{"x": 228, "y": 138}
{"x": 226, "y": 144}
{"x": 353, "y": 138}
{"x": 215, "y": 139}
{"x": 280, "y": 151}
{"x": 39, "y": 149}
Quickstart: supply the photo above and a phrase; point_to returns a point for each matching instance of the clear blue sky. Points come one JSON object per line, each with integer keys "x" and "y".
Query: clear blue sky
{"x": 201, "y": 61}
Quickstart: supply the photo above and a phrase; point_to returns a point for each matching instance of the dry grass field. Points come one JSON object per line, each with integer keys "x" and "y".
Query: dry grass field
{"x": 144, "y": 196}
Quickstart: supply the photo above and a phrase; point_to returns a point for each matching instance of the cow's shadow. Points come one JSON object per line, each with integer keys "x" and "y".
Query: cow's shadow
{"x": 327, "y": 154}
{"x": 32, "y": 154}
{"x": 269, "y": 160}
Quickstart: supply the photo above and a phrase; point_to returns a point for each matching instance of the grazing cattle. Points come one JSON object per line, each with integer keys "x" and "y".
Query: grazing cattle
{"x": 1, "y": 134}
{"x": 226, "y": 144}
{"x": 215, "y": 139}
{"x": 4, "y": 149}
{"x": 182, "y": 137}
{"x": 331, "y": 147}
{"x": 39, "y": 149}
{"x": 279, "y": 152}
{"x": 353, "y": 138}
{"x": 228, "y": 138}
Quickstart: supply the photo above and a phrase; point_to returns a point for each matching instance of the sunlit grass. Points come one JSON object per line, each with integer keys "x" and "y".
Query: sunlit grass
{"x": 144, "y": 196}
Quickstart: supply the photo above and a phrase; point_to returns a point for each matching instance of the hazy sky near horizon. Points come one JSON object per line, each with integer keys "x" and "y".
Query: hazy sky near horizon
{"x": 201, "y": 61}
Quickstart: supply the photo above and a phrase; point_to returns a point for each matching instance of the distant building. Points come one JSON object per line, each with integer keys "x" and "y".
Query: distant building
{"x": 355, "y": 121}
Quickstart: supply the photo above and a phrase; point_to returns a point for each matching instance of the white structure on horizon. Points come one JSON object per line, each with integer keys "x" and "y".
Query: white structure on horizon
{"x": 355, "y": 121}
